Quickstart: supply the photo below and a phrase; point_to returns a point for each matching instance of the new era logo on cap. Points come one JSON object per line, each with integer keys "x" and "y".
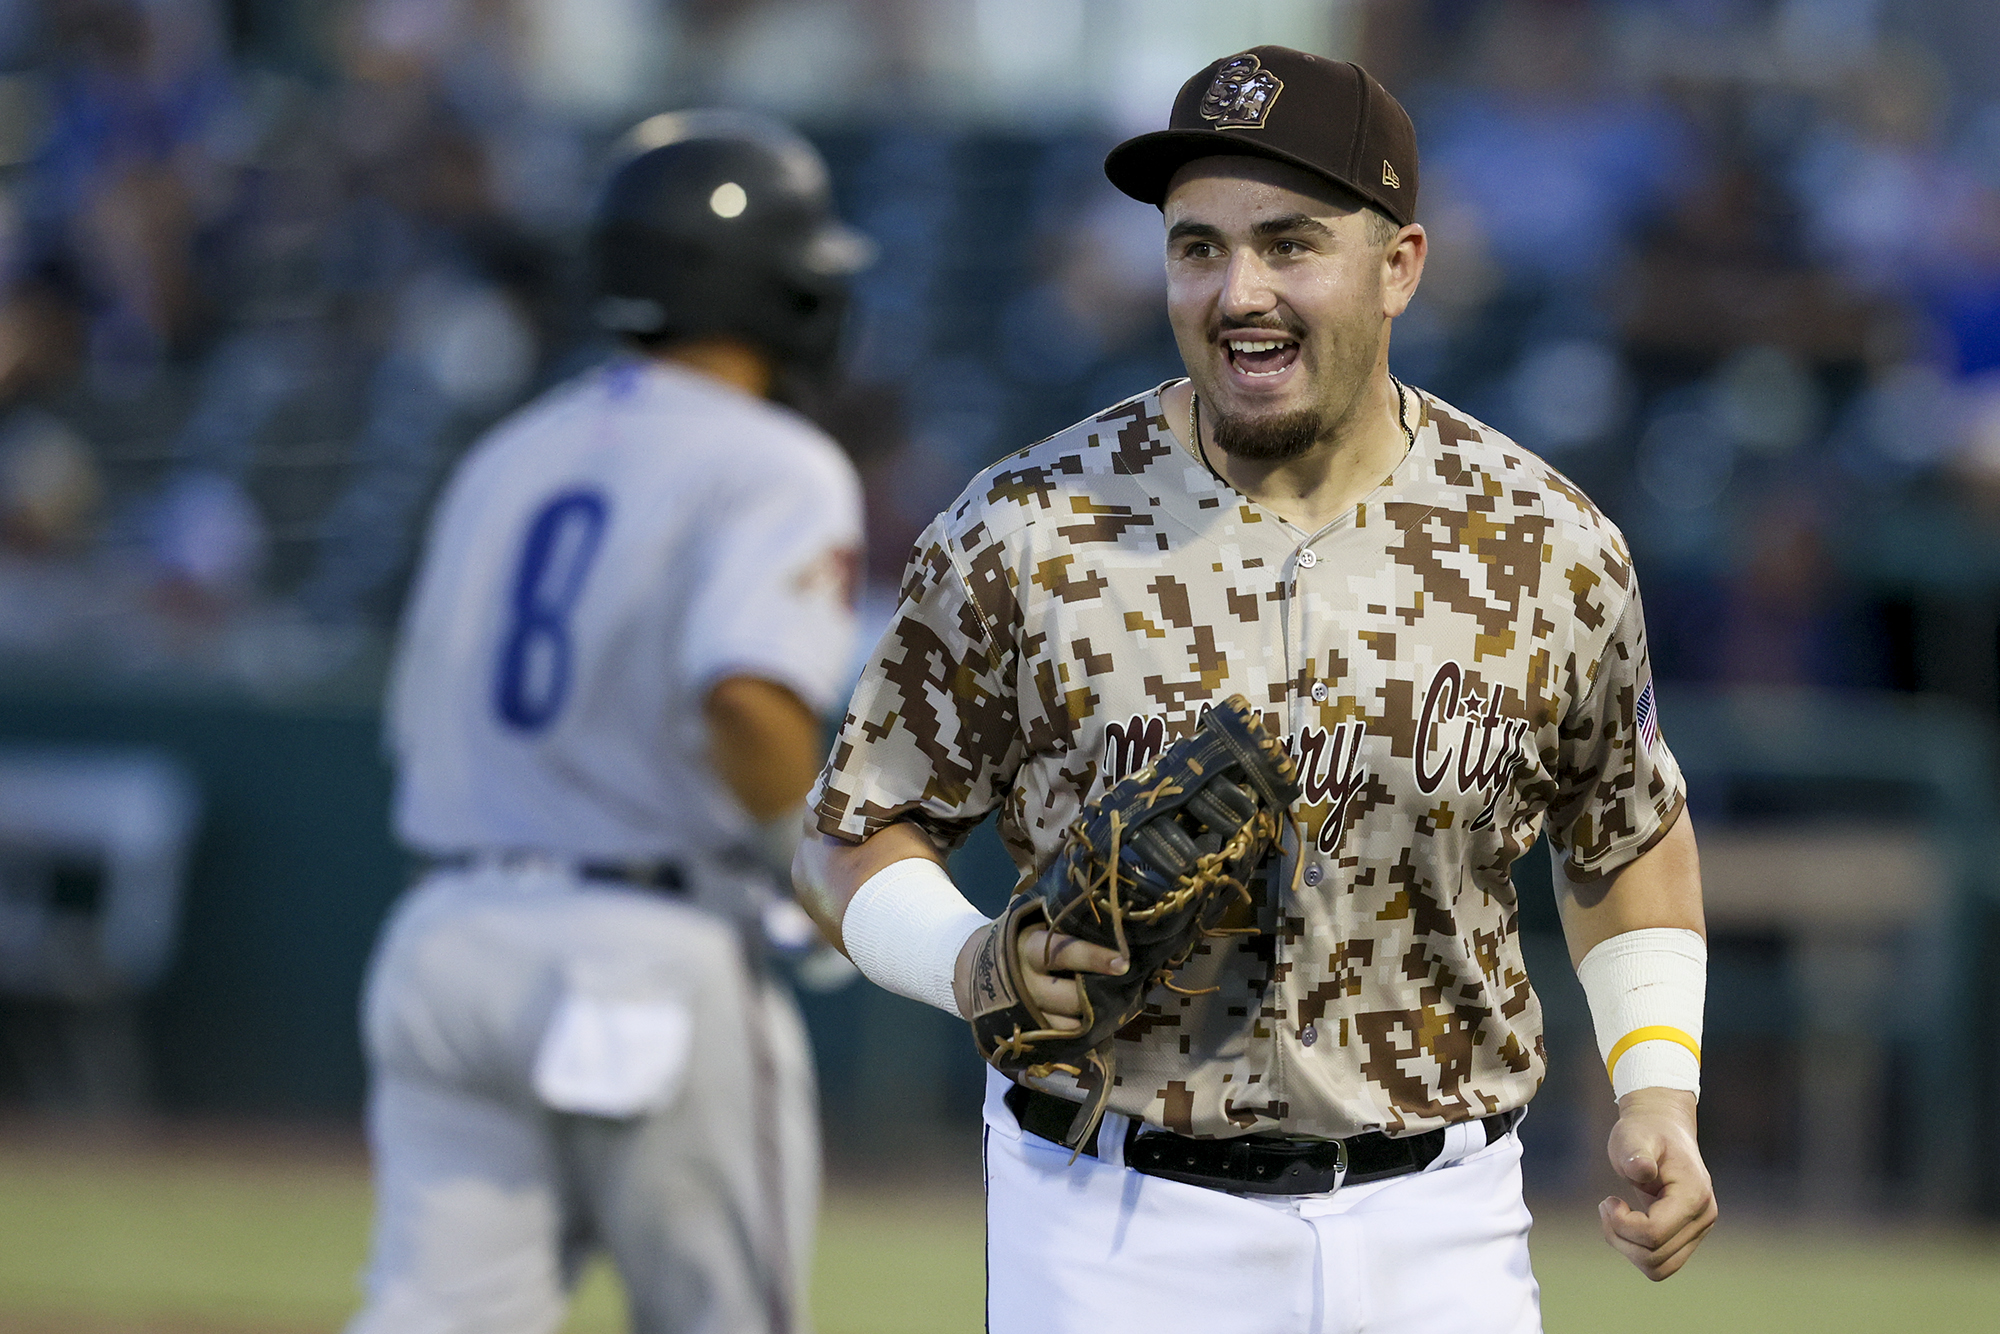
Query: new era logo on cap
{"x": 1241, "y": 96}
{"x": 1389, "y": 176}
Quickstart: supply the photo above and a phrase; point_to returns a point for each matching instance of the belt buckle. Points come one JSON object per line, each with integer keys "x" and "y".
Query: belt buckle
{"x": 1301, "y": 1176}
{"x": 1249, "y": 1168}
{"x": 1339, "y": 1170}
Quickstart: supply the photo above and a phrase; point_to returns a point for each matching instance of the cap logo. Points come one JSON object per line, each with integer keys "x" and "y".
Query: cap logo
{"x": 1242, "y": 94}
{"x": 1389, "y": 176}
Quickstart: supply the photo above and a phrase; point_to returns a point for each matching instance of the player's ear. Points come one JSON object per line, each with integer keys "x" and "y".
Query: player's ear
{"x": 1403, "y": 268}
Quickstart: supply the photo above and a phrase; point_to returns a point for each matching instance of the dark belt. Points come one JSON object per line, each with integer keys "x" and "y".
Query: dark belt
{"x": 661, "y": 877}
{"x": 1253, "y": 1164}
{"x": 664, "y": 877}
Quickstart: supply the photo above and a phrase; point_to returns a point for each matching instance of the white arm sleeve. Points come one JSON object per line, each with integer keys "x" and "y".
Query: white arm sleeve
{"x": 1646, "y": 990}
{"x": 904, "y": 928}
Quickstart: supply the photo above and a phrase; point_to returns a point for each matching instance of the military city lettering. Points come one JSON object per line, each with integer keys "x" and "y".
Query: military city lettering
{"x": 1485, "y": 752}
{"x": 1463, "y": 735}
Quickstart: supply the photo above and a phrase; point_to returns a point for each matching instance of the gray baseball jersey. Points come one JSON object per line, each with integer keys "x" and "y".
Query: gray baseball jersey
{"x": 594, "y": 567}
{"x": 1459, "y": 663}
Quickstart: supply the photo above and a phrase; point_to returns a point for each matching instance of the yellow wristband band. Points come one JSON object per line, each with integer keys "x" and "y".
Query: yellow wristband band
{"x": 1654, "y": 1033}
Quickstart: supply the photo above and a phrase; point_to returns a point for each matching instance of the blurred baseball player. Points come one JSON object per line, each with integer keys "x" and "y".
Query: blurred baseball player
{"x": 1312, "y": 1127}
{"x": 632, "y": 609}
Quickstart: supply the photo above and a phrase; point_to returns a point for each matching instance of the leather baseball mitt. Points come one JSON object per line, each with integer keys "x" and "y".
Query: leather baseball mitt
{"x": 1150, "y": 869}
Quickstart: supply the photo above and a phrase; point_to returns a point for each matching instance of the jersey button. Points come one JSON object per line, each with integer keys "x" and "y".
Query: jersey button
{"x": 1314, "y": 875}
{"x": 1308, "y": 558}
{"x": 1310, "y": 1035}
{"x": 1319, "y": 692}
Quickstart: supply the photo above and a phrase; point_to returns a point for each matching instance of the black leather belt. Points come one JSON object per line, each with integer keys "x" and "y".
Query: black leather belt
{"x": 1253, "y": 1164}
{"x": 662, "y": 877}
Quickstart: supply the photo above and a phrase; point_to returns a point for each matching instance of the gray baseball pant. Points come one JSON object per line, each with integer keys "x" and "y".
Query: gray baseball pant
{"x": 489, "y": 1201}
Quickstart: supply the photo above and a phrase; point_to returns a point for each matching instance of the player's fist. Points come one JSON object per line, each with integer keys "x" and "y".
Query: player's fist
{"x": 1653, "y": 1147}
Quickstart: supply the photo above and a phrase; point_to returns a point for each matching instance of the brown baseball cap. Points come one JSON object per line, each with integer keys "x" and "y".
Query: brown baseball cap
{"x": 1328, "y": 117}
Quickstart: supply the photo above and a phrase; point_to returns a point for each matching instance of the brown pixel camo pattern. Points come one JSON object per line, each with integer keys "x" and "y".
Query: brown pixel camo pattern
{"x": 1456, "y": 669}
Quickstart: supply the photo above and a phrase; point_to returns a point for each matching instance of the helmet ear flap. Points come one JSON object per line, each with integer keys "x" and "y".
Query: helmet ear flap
{"x": 818, "y": 321}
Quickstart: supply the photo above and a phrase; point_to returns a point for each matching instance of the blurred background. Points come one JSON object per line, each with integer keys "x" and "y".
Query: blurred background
{"x": 268, "y": 266}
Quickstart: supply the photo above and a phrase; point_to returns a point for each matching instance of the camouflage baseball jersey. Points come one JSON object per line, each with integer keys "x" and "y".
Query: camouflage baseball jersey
{"x": 1458, "y": 662}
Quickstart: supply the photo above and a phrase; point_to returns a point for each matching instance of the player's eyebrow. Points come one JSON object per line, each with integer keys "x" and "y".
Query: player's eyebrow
{"x": 1198, "y": 231}
{"x": 1291, "y": 223}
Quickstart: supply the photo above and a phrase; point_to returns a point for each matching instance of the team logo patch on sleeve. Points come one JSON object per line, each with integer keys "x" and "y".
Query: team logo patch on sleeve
{"x": 1647, "y": 716}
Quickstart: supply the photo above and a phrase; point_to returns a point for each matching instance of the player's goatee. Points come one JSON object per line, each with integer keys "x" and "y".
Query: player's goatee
{"x": 1270, "y": 439}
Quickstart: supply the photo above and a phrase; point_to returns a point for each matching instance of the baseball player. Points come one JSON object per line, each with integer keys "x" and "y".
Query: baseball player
{"x": 632, "y": 610}
{"x": 1312, "y": 1127}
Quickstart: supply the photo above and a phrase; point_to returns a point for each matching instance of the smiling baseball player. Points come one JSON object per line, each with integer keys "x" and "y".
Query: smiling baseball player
{"x": 1310, "y": 1122}
{"x": 632, "y": 611}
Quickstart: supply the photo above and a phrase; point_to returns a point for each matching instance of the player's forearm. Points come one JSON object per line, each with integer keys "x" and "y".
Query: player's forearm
{"x": 1661, "y": 888}
{"x": 889, "y": 906}
{"x": 765, "y": 744}
{"x": 827, "y": 872}
{"x": 1638, "y": 944}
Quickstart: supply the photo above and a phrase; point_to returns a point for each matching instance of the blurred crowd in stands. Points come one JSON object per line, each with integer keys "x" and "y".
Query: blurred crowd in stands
{"x": 1742, "y": 281}
{"x": 1732, "y": 264}
{"x": 249, "y": 316}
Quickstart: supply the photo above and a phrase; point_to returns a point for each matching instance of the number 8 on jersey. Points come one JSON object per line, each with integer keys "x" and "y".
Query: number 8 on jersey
{"x": 533, "y": 673}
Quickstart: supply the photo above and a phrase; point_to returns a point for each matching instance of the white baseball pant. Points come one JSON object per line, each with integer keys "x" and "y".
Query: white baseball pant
{"x": 1092, "y": 1246}
{"x": 698, "y": 1173}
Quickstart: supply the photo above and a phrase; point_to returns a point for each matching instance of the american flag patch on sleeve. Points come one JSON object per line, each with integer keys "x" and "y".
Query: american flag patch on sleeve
{"x": 1647, "y": 716}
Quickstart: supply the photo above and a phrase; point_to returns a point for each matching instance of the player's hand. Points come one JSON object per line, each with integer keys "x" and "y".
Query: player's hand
{"x": 1653, "y": 1147}
{"x": 1049, "y": 962}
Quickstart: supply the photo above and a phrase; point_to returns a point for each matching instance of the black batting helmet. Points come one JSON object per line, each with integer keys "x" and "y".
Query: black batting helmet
{"x": 722, "y": 222}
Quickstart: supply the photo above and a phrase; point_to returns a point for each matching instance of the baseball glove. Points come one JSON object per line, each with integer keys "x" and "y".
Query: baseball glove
{"x": 1150, "y": 869}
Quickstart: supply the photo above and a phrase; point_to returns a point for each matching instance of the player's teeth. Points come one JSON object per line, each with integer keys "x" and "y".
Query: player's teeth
{"x": 1257, "y": 347}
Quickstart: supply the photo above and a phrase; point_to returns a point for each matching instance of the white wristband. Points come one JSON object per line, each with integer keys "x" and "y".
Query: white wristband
{"x": 904, "y": 928}
{"x": 1646, "y": 990}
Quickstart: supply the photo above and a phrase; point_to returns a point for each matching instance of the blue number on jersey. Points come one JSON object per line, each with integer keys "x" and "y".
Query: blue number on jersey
{"x": 535, "y": 654}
